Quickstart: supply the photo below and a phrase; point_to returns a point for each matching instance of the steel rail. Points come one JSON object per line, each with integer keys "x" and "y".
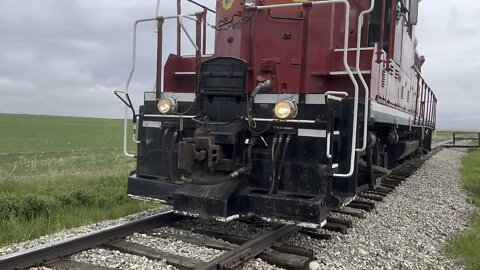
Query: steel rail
{"x": 48, "y": 252}
{"x": 250, "y": 249}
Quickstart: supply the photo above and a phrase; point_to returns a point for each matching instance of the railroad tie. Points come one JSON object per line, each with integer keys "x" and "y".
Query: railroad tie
{"x": 351, "y": 212}
{"x": 67, "y": 264}
{"x": 371, "y": 197}
{"x": 178, "y": 261}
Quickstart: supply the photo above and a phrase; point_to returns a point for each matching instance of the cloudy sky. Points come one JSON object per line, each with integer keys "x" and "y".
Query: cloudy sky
{"x": 63, "y": 57}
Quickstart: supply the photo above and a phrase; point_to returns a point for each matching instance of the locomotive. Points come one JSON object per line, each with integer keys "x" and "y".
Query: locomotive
{"x": 300, "y": 108}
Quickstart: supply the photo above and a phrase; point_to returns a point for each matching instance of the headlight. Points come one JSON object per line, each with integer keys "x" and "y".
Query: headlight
{"x": 286, "y": 109}
{"x": 167, "y": 105}
{"x": 250, "y": 3}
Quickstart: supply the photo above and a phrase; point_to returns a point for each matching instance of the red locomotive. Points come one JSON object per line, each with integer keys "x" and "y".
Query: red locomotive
{"x": 293, "y": 115}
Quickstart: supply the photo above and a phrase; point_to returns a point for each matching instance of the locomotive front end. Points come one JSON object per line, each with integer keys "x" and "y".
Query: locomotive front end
{"x": 301, "y": 107}
{"x": 225, "y": 152}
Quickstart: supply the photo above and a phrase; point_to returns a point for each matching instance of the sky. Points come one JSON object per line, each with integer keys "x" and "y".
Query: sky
{"x": 62, "y": 57}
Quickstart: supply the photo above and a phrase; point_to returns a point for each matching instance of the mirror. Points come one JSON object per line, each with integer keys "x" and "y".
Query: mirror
{"x": 413, "y": 12}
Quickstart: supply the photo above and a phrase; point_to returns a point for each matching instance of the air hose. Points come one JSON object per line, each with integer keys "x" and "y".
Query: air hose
{"x": 275, "y": 183}
{"x": 170, "y": 155}
{"x": 274, "y": 161}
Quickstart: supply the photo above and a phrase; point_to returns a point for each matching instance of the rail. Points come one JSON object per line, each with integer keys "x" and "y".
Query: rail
{"x": 360, "y": 75}
{"x": 425, "y": 104}
{"x": 36, "y": 256}
{"x": 348, "y": 70}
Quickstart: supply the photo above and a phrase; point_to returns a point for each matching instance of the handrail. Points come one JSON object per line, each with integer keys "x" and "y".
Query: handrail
{"x": 132, "y": 71}
{"x": 426, "y": 102}
{"x": 345, "y": 63}
{"x": 360, "y": 75}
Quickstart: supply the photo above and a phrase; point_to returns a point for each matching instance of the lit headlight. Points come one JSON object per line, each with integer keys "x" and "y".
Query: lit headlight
{"x": 250, "y": 3}
{"x": 286, "y": 109}
{"x": 167, "y": 105}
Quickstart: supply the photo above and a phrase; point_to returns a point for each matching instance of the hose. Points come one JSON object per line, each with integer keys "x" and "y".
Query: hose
{"x": 163, "y": 139}
{"x": 274, "y": 144}
{"x": 260, "y": 87}
{"x": 275, "y": 184}
{"x": 274, "y": 162}
{"x": 170, "y": 155}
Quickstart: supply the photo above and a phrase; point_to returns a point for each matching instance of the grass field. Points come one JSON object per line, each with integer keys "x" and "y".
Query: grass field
{"x": 60, "y": 172}
{"x": 447, "y": 134}
{"x": 442, "y": 135}
{"x": 467, "y": 245}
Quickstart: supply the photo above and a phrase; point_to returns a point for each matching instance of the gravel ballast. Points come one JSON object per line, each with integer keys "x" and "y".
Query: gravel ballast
{"x": 118, "y": 260}
{"x": 408, "y": 230}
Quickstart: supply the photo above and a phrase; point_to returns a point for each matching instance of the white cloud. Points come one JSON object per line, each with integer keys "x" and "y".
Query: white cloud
{"x": 449, "y": 36}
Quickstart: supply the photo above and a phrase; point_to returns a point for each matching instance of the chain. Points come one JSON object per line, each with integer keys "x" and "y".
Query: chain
{"x": 233, "y": 25}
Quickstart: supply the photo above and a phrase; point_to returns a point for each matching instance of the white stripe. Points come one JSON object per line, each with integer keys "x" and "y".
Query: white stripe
{"x": 345, "y": 73}
{"x": 316, "y": 133}
{"x": 194, "y": 56}
{"x": 181, "y": 97}
{"x": 315, "y": 99}
{"x": 377, "y": 107}
{"x": 180, "y": 73}
{"x": 274, "y": 98}
{"x": 152, "y": 124}
{"x": 168, "y": 116}
{"x": 355, "y": 49}
{"x": 284, "y": 121}
{"x": 150, "y": 96}
{"x": 312, "y": 99}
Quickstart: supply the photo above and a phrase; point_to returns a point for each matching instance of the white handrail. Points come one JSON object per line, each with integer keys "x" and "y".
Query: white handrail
{"x": 329, "y": 155}
{"x": 345, "y": 64}
{"x": 132, "y": 71}
{"x": 362, "y": 79}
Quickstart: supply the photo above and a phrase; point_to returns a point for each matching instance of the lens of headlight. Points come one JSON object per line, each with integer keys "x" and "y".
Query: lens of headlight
{"x": 249, "y": 3}
{"x": 167, "y": 105}
{"x": 285, "y": 109}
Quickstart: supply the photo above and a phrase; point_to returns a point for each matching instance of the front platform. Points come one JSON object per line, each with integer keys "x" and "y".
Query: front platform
{"x": 231, "y": 200}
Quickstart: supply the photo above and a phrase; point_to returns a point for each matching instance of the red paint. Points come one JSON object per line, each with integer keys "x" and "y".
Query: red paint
{"x": 299, "y": 44}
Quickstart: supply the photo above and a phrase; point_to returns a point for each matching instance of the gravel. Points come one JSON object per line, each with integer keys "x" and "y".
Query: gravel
{"x": 409, "y": 230}
{"x": 174, "y": 246}
{"x": 119, "y": 260}
{"x": 188, "y": 250}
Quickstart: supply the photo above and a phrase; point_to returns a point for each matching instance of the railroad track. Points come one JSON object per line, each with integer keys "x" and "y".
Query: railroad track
{"x": 269, "y": 246}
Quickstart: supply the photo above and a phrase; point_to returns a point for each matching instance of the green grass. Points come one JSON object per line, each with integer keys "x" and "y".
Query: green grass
{"x": 442, "y": 135}
{"x": 467, "y": 244}
{"x": 60, "y": 172}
